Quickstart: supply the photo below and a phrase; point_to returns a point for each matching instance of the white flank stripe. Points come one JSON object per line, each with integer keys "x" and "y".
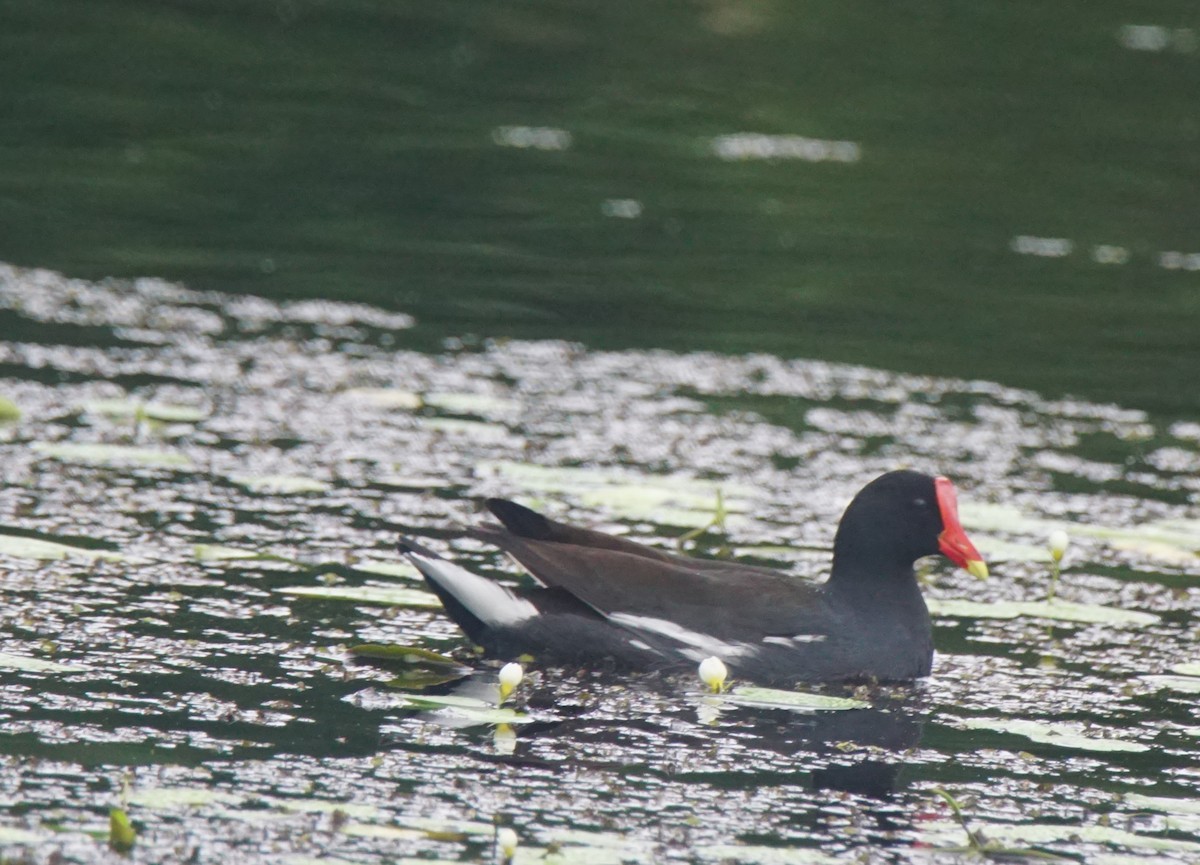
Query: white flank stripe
{"x": 490, "y": 602}
{"x": 704, "y": 642}
{"x": 790, "y": 642}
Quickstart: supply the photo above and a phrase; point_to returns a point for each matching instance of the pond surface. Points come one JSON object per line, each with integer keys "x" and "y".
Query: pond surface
{"x": 200, "y": 502}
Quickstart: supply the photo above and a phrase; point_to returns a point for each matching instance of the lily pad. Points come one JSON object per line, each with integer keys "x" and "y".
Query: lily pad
{"x": 420, "y": 678}
{"x": 13, "y": 835}
{"x": 114, "y": 455}
{"x": 665, "y": 500}
{"x": 388, "y": 569}
{"x": 474, "y": 429}
{"x": 386, "y": 397}
{"x": 776, "y": 551}
{"x": 795, "y": 701}
{"x": 997, "y": 550}
{"x": 1164, "y": 552}
{"x": 375, "y": 830}
{"x": 444, "y": 826}
{"x": 479, "y": 404}
{"x": 1183, "y": 684}
{"x": 279, "y": 484}
{"x": 48, "y": 551}
{"x": 1060, "y": 735}
{"x": 326, "y": 806}
{"x": 414, "y": 828}
{"x": 165, "y": 412}
{"x": 413, "y": 482}
{"x": 1166, "y": 804}
{"x": 1057, "y": 609}
{"x": 35, "y": 665}
{"x": 218, "y": 553}
{"x": 465, "y": 710}
{"x": 762, "y": 855}
{"x": 1172, "y": 540}
{"x": 419, "y": 668}
{"x": 396, "y": 596}
{"x": 175, "y": 798}
{"x": 1013, "y": 834}
{"x": 170, "y": 798}
{"x": 404, "y": 654}
{"x": 575, "y": 855}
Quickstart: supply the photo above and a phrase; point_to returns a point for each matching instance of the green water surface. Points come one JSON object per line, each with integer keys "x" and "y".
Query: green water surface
{"x": 368, "y": 150}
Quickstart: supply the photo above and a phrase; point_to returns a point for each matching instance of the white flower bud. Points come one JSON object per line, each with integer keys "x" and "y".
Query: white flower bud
{"x": 511, "y": 675}
{"x": 506, "y": 837}
{"x": 713, "y": 673}
{"x": 1058, "y": 544}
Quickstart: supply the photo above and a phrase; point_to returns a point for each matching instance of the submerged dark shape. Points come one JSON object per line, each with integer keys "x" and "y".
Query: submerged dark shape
{"x": 605, "y": 598}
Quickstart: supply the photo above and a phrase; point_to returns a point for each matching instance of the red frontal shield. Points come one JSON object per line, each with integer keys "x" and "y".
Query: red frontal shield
{"x": 953, "y": 541}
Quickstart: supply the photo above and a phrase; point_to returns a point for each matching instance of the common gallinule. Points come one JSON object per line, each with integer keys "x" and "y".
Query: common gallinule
{"x": 601, "y": 597}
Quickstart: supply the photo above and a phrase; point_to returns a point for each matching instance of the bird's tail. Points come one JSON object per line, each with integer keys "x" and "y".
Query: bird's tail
{"x": 476, "y": 604}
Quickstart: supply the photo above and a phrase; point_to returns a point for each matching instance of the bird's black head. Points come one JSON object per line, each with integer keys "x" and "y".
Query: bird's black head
{"x": 898, "y": 518}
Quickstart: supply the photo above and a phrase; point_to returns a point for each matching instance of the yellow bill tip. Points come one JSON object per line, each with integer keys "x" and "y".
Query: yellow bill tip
{"x": 977, "y": 568}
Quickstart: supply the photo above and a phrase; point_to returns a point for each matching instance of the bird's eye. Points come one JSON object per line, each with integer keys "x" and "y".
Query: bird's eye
{"x": 919, "y": 502}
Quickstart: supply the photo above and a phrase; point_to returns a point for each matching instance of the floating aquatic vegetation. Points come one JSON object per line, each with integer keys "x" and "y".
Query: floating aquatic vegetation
{"x": 462, "y": 710}
{"x": 411, "y": 655}
{"x": 1182, "y": 684}
{"x": 1055, "y": 610}
{"x": 14, "y": 835}
{"x": 997, "y": 550}
{"x": 112, "y": 455}
{"x": 665, "y": 500}
{"x": 478, "y": 404}
{"x": 245, "y": 806}
{"x": 1062, "y": 735}
{"x": 795, "y": 701}
{"x": 1169, "y": 539}
{"x": 388, "y": 398}
{"x": 170, "y": 798}
{"x": 758, "y": 854}
{"x": 416, "y": 668}
{"x": 24, "y": 547}
{"x": 981, "y": 845}
{"x": 388, "y": 569}
{"x": 219, "y": 553}
{"x": 397, "y": 596}
{"x": 136, "y": 410}
{"x": 280, "y": 485}
{"x": 35, "y": 665}
{"x": 9, "y": 413}
{"x": 1069, "y": 834}
{"x": 483, "y": 432}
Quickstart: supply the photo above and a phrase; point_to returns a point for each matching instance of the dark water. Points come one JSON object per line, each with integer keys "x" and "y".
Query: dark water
{"x": 984, "y": 190}
{"x": 224, "y": 479}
